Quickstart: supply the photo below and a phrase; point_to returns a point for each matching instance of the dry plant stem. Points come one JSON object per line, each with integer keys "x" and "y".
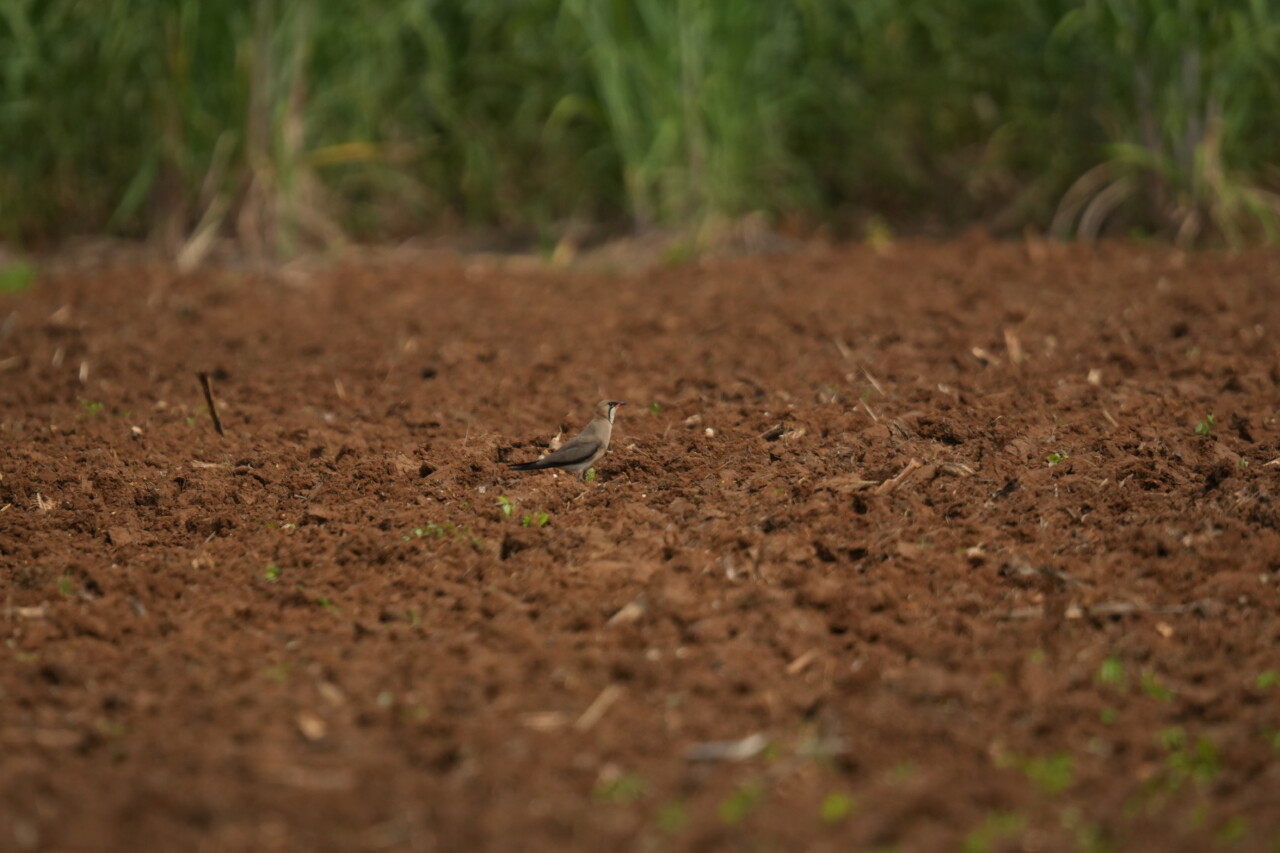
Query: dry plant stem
{"x": 598, "y": 708}
{"x": 889, "y": 486}
{"x": 208, "y": 398}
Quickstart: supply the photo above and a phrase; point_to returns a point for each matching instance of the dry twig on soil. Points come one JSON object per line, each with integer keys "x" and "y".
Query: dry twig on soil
{"x": 208, "y": 398}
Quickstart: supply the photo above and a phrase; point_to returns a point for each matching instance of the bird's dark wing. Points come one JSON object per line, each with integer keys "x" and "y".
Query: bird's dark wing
{"x": 577, "y": 451}
{"x": 574, "y": 452}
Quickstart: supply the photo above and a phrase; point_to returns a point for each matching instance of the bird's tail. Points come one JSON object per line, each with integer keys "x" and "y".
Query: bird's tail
{"x": 529, "y": 466}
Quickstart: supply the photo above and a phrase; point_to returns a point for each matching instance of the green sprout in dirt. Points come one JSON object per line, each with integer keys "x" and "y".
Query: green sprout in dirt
{"x": 997, "y": 827}
{"x": 1090, "y": 837}
{"x": 504, "y": 504}
{"x": 672, "y": 817}
{"x": 1052, "y": 774}
{"x": 16, "y": 277}
{"x": 836, "y": 806}
{"x": 626, "y": 788}
{"x": 111, "y": 728}
{"x": 1266, "y": 680}
{"x": 1205, "y": 427}
{"x": 1198, "y": 816}
{"x": 1197, "y": 762}
{"x": 21, "y": 656}
{"x": 278, "y": 673}
{"x": 64, "y": 585}
{"x": 92, "y": 407}
{"x": 1153, "y": 688}
{"x": 1233, "y": 829}
{"x": 271, "y": 572}
{"x": 321, "y": 600}
{"x": 432, "y": 530}
{"x": 902, "y": 771}
{"x": 539, "y": 520}
{"x": 1112, "y": 673}
{"x": 735, "y": 808}
{"x": 1242, "y": 463}
{"x": 654, "y": 408}
{"x": 1056, "y": 458}
{"x": 591, "y": 475}
{"x": 440, "y": 531}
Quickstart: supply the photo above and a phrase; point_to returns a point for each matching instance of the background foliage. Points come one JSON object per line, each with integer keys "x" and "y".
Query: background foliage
{"x": 283, "y": 123}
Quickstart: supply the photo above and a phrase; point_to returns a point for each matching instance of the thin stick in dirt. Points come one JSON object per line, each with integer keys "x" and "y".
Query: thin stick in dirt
{"x": 208, "y": 398}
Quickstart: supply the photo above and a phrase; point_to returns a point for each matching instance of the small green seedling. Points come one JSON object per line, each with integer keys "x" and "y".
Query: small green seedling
{"x": 278, "y": 672}
{"x": 654, "y": 408}
{"x": 1056, "y": 458}
{"x": 271, "y": 573}
{"x": 431, "y": 530}
{"x": 1242, "y": 463}
{"x": 1153, "y": 688}
{"x": 1272, "y": 738}
{"x": 734, "y": 809}
{"x": 539, "y": 520}
{"x": 1112, "y": 672}
{"x": 64, "y": 585}
{"x": 15, "y": 278}
{"x": 112, "y": 728}
{"x": 902, "y": 771}
{"x": 1199, "y": 762}
{"x": 91, "y": 407}
{"x": 1205, "y": 427}
{"x": 1052, "y": 774}
{"x": 504, "y": 504}
{"x": 327, "y": 603}
{"x": 591, "y": 475}
{"x": 1235, "y": 829}
{"x": 1267, "y": 680}
{"x": 626, "y": 788}
{"x": 837, "y": 806}
{"x": 672, "y": 817}
{"x": 1172, "y": 737}
{"x": 997, "y": 826}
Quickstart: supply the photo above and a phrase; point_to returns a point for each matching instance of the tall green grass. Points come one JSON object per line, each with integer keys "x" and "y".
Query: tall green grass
{"x": 288, "y": 125}
{"x": 1185, "y": 93}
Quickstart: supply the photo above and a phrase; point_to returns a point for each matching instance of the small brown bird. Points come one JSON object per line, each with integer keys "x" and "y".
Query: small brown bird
{"x": 583, "y": 450}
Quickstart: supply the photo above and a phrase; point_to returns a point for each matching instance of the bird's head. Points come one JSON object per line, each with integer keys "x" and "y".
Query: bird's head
{"x": 607, "y": 408}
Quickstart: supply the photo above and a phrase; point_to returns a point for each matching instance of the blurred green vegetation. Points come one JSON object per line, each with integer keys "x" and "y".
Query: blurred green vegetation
{"x": 287, "y": 123}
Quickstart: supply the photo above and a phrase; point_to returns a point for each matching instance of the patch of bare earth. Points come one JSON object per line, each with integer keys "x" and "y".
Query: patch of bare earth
{"x": 890, "y": 552}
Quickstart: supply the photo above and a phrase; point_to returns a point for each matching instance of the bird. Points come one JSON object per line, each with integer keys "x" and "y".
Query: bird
{"x": 584, "y": 449}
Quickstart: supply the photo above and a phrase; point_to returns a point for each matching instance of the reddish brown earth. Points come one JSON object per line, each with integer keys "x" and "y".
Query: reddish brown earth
{"x": 827, "y": 591}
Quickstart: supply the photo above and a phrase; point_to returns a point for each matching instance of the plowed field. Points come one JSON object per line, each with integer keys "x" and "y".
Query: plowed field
{"x": 958, "y": 546}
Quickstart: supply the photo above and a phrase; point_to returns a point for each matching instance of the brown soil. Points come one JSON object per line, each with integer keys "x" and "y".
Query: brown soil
{"x": 827, "y": 592}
